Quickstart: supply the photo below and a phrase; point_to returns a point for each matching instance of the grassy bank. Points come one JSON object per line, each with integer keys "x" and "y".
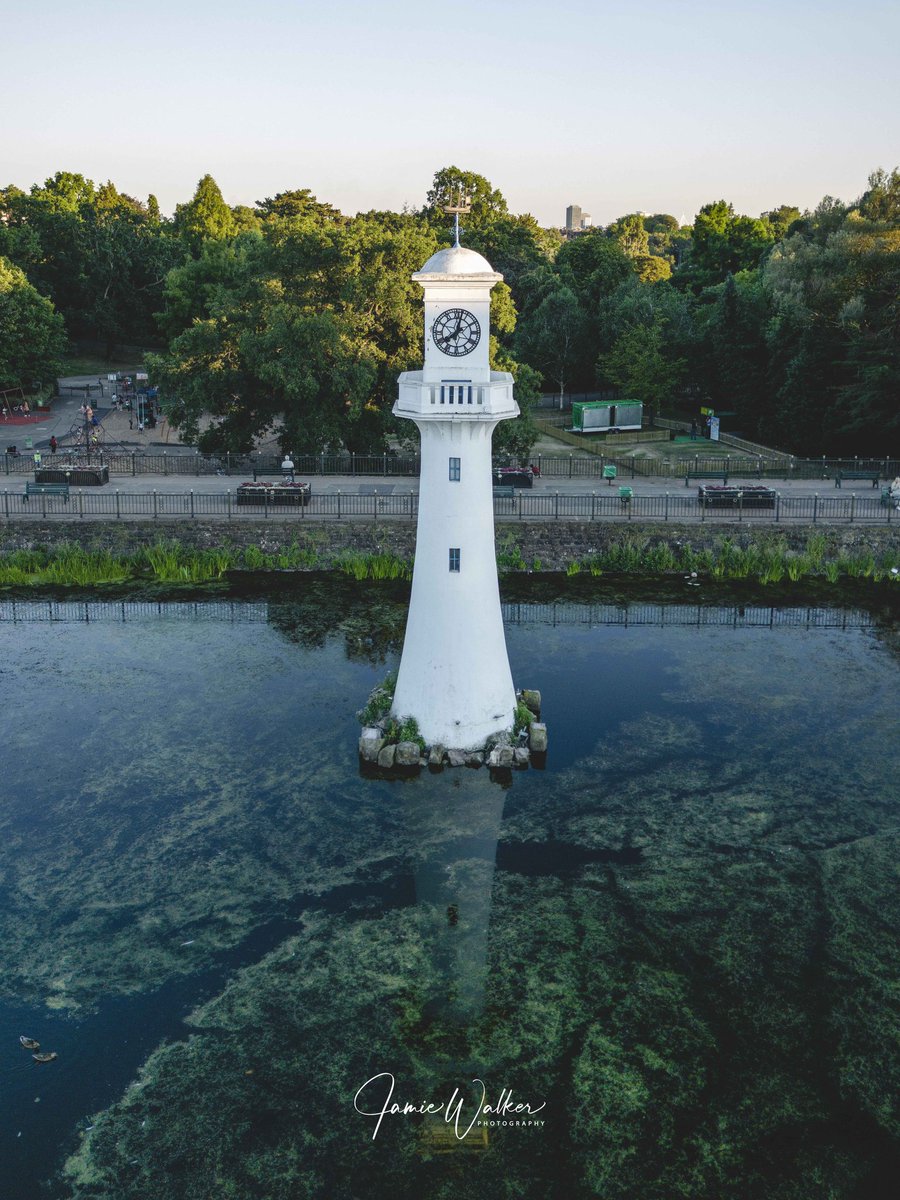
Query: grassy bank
{"x": 767, "y": 559}
{"x": 170, "y": 562}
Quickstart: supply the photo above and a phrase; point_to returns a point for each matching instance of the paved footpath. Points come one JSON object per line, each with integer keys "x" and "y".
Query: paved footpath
{"x": 402, "y": 486}
{"x": 121, "y": 439}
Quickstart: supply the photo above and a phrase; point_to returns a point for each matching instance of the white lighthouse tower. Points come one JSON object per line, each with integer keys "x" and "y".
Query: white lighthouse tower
{"x": 454, "y": 674}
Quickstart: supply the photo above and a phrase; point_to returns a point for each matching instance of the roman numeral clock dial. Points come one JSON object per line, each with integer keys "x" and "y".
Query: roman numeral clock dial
{"x": 456, "y": 332}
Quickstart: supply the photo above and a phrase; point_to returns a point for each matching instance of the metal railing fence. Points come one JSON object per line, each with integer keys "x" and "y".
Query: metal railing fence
{"x": 555, "y": 466}
{"x": 230, "y": 465}
{"x": 546, "y": 505}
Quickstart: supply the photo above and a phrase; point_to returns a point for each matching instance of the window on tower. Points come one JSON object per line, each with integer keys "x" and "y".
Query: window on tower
{"x": 454, "y": 559}
{"x": 454, "y": 470}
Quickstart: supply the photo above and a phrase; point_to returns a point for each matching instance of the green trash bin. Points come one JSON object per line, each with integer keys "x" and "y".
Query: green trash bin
{"x": 609, "y": 472}
{"x": 625, "y": 494}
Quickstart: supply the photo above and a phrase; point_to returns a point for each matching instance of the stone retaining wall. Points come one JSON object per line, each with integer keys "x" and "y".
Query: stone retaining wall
{"x": 553, "y": 544}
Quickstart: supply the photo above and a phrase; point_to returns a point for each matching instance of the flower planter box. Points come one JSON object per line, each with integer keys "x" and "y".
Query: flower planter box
{"x": 273, "y": 493}
{"x": 73, "y": 476}
{"x": 735, "y": 496}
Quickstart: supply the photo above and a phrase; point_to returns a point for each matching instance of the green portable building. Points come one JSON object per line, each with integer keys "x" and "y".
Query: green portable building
{"x": 597, "y": 416}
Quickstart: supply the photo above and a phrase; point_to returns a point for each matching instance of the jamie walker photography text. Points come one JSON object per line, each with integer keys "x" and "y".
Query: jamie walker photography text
{"x": 376, "y": 1099}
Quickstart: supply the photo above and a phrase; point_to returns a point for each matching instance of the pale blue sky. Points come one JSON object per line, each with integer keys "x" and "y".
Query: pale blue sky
{"x": 614, "y": 106}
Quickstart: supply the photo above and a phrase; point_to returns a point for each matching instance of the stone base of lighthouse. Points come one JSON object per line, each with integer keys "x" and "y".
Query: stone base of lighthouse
{"x": 385, "y": 744}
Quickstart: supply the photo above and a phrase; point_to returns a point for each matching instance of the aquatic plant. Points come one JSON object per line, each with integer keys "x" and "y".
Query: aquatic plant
{"x": 797, "y": 567}
{"x": 67, "y": 565}
{"x": 522, "y": 718}
{"x": 816, "y": 545}
{"x": 509, "y": 553}
{"x": 404, "y": 729}
{"x": 626, "y": 555}
{"x": 409, "y": 732}
{"x": 383, "y": 565}
{"x": 254, "y": 558}
{"x": 379, "y": 702}
{"x": 510, "y": 560}
{"x": 172, "y": 562}
{"x": 661, "y": 558}
{"x": 773, "y": 572}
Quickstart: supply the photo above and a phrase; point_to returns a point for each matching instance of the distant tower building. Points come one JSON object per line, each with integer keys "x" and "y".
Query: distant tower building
{"x": 577, "y": 219}
{"x": 454, "y": 675}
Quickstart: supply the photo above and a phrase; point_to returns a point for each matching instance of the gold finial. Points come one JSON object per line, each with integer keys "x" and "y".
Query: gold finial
{"x": 463, "y": 205}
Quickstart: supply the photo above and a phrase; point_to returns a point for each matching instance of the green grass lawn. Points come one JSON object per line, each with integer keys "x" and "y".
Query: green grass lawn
{"x": 93, "y": 365}
{"x": 669, "y": 451}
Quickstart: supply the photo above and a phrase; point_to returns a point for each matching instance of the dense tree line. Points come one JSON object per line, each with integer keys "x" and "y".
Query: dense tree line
{"x": 292, "y": 317}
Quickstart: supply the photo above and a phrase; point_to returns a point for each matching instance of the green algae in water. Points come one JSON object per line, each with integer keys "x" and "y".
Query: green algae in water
{"x": 681, "y": 936}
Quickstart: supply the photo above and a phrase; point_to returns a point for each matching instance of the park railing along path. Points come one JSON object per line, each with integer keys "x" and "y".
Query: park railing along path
{"x": 545, "y": 505}
{"x": 562, "y": 466}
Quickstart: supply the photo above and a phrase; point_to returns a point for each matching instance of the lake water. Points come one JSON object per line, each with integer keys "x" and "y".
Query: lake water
{"x": 679, "y": 942}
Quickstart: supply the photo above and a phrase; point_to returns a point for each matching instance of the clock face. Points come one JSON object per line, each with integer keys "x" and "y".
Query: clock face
{"x": 456, "y": 332}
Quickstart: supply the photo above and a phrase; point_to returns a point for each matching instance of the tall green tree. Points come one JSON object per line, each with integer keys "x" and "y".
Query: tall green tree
{"x": 833, "y": 338}
{"x": 552, "y": 338}
{"x": 631, "y": 235}
{"x": 732, "y": 360}
{"x": 32, "y": 334}
{"x": 724, "y": 243}
{"x": 101, "y": 256}
{"x": 639, "y": 366}
{"x": 246, "y": 360}
{"x": 450, "y": 183}
{"x": 205, "y": 216}
{"x": 297, "y": 203}
{"x": 593, "y": 266}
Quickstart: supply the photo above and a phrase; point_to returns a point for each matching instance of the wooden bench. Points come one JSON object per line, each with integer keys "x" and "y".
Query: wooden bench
{"x": 840, "y": 476}
{"x": 46, "y": 489}
{"x": 503, "y": 490}
{"x": 723, "y": 475}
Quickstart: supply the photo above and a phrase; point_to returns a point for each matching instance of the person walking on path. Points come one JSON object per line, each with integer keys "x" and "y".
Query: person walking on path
{"x": 54, "y": 444}
{"x": 37, "y": 460}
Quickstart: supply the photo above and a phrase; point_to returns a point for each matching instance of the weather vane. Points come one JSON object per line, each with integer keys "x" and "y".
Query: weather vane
{"x": 463, "y": 205}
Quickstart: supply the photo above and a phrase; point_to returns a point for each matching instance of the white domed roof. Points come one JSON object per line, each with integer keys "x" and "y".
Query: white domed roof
{"x": 457, "y": 260}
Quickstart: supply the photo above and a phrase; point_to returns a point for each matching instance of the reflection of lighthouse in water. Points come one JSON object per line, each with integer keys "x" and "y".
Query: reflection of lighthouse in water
{"x": 456, "y": 849}
{"x": 454, "y": 675}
